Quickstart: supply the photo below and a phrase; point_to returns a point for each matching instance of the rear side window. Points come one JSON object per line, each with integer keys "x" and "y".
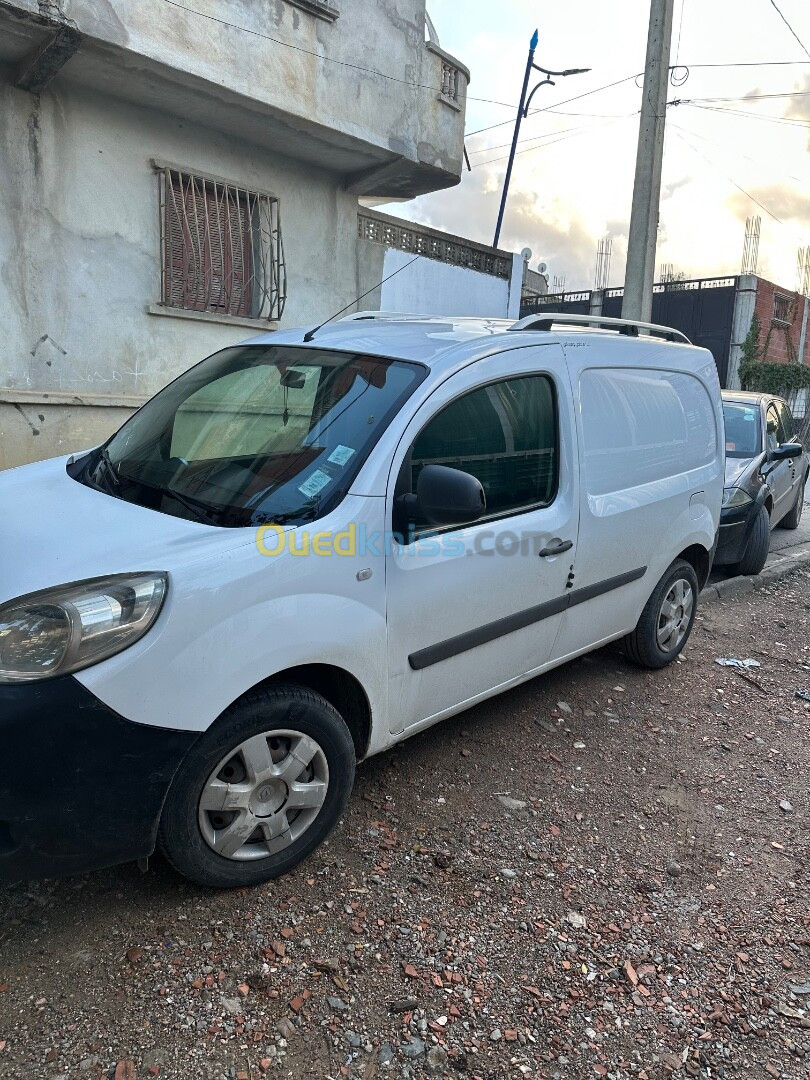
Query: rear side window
{"x": 641, "y": 426}
{"x": 776, "y": 433}
{"x": 785, "y": 415}
{"x": 505, "y": 435}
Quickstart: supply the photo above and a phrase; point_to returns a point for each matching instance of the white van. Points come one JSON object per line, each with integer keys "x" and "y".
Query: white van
{"x": 313, "y": 545}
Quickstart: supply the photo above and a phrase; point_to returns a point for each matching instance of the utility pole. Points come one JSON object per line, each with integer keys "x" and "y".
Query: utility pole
{"x": 523, "y": 112}
{"x": 637, "y": 303}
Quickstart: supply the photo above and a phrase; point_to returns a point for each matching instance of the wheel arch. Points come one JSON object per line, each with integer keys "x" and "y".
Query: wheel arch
{"x": 700, "y": 560}
{"x": 340, "y": 688}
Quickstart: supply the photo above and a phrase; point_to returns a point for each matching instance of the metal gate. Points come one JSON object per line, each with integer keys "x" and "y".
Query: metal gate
{"x": 702, "y": 309}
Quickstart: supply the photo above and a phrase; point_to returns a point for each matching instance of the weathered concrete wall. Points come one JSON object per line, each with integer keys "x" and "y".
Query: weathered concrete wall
{"x": 80, "y": 256}
{"x": 361, "y": 89}
{"x": 30, "y": 431}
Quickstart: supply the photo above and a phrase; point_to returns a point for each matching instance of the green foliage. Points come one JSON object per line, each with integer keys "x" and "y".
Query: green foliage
{"x": 778, "y": 379}
{"x": 751, "y": 349}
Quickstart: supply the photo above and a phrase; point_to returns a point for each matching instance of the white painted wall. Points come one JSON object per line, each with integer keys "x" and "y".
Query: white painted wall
{"x": 429, "y": 287}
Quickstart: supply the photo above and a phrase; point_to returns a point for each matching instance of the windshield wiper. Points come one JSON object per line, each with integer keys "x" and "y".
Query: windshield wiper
{"x": 113, "y": 480}
{"x": 200, "y": 510}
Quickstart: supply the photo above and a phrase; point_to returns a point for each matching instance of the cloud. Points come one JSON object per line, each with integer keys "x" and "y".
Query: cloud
{"x": 799, "y": 107}
{"x": 554, "y": 229}
{"x": 668, "y": 190}
{"x": 784, "y": 201}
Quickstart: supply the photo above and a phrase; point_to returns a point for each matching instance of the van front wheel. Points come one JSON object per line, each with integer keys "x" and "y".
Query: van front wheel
{"x": 667, "y": 619}
{"x": 260, "y": 790}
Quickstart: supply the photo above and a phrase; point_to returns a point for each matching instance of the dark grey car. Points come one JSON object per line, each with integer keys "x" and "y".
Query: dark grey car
{"x": 766, "y": 470}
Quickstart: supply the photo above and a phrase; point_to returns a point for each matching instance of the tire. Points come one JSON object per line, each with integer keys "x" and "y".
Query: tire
{"x": 274, "y": 748}
{"x": 756, "y": 550}
{"x": 794, "y": 515}
{"x": 671, "y": 607}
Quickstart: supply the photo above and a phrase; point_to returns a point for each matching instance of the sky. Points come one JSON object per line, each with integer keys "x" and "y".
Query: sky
{"x": 725, "y": 160}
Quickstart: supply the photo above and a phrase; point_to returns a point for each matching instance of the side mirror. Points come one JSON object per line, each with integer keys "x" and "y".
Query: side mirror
{"x": 787, "y": 450}
{"x": 449, "y": 496}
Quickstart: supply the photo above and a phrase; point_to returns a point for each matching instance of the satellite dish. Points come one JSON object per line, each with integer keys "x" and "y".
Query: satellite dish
{"x": 542, "y": 267}
{"x": 526, "y": 253}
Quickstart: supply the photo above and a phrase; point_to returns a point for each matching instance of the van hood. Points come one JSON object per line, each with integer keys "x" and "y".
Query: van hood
{"x": 55, "y": 530}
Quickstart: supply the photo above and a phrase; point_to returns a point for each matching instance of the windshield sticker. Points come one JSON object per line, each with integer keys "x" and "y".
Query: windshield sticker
{"x": 340, "y": 455}
{"x": 315, "y": 483}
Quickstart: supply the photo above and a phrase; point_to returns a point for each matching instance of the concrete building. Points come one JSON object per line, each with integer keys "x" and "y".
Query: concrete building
{"x": 175, "y": 175}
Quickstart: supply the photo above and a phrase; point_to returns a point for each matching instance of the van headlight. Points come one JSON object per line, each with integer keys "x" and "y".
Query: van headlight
{"x": 735, "y": 497}
{"x": 69, "y": 627}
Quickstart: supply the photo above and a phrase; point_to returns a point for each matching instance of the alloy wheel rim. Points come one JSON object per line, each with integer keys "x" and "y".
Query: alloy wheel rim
{"x": 675, "y": 615}
{"x": 263, "y": 795}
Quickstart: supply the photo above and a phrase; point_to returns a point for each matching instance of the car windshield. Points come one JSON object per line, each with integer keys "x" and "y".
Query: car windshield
{"x": 255, "y": 435}
{"x": 743, "y": 430}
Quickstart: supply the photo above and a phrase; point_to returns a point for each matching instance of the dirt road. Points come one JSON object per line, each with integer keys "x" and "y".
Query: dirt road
{"x": 605, "y": 873}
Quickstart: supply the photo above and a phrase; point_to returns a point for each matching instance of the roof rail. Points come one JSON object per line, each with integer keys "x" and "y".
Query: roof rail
{"x": 362, "y": 316}
{"x": 628, "y": 327}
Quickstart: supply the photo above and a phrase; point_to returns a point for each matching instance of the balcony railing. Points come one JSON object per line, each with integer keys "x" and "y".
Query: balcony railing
{"x": 405, "y": 236}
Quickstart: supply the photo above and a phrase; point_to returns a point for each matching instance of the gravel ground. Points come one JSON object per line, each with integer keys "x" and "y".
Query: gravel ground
{"x": 601, "y": 874}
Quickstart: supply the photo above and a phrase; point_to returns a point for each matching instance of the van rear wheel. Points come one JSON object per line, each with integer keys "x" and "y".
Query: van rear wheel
{"x": 260, "y": 790}
{"x": 667, "y": 619}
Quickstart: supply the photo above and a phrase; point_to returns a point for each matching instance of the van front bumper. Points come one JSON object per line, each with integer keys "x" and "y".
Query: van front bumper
{"x": 80, "y": 787}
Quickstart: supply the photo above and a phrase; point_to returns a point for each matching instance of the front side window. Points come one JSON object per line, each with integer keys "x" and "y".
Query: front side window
{"x": 255, "y": 435}
{"x": 505, "y": 435}
{"x": 222, "y": 248}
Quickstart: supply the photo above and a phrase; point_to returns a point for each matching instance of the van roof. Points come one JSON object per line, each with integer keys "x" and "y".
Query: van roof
{"x": 427, "y": 338}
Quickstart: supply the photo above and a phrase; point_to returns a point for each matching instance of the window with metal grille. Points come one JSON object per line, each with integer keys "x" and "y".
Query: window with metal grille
{"x": 782, "y": 308}
{"x": 222, "y": 247}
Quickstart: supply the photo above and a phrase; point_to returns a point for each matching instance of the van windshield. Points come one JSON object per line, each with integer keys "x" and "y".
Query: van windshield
{"x": 255, "y": 435}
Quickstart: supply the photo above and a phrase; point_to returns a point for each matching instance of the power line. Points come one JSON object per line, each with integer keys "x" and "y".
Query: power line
{"x": 739, "y": 187}
{"x": 790, "y": 28}
{"x": 630, "y": 78}
{"x": 744, "y": 98}
{"x": 753, "y": 63}
{"x": 535, "y": 138}
{"x": 680, "y": 31}
{"x": 574, "y": 133}
{"x": 730, "y": 150}
{"x": 783, "y": 120}
{"x": 562, "y": 131}
{"x": 503, "y": 157}
{"x": 321, "y": 56}
{"x": 548, "y": 108}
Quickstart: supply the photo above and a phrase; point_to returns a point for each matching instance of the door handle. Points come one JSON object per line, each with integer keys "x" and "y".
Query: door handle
{"x": 556, "y": 547}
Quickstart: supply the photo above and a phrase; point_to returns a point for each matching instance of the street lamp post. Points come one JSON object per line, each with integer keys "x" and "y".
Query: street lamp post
{"x": 523, "y": 112}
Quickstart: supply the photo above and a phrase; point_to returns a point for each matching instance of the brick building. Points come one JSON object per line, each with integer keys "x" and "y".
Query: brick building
{"x": 783, "y": 321}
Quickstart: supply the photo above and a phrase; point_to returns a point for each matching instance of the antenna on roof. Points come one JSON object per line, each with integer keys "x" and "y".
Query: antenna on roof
{"x": 310, "y": 334}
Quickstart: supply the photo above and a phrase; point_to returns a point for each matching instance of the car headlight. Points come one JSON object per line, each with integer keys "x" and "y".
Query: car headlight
{"x": 735, "y": 497}
{"x": 69, "y": 627}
